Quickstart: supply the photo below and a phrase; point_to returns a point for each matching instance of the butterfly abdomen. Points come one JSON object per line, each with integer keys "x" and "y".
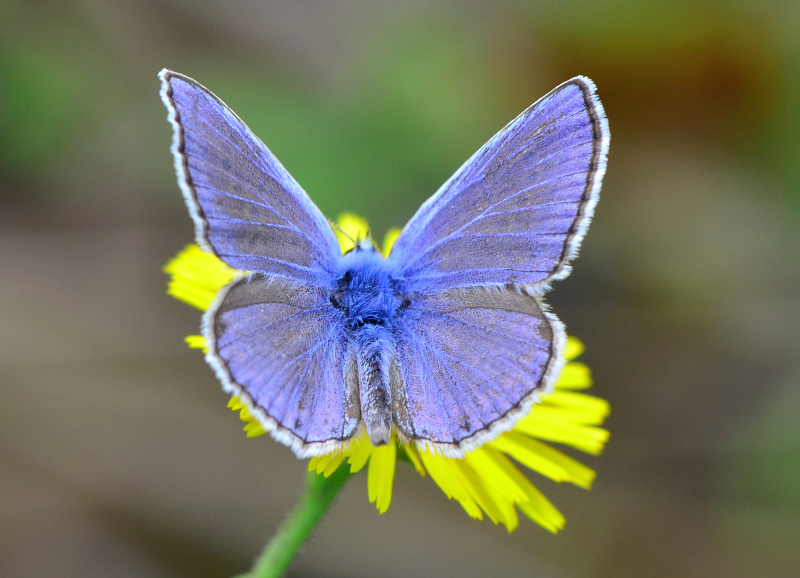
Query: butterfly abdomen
{"x": 375, "y": 353}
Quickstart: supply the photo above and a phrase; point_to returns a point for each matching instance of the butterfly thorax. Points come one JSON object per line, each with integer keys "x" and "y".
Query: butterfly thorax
{"x": 366, "y": 292}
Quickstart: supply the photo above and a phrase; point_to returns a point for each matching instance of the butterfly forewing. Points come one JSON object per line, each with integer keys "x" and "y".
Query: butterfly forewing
{"x": 246, "y": 207}
{"x": 515, "y": 212}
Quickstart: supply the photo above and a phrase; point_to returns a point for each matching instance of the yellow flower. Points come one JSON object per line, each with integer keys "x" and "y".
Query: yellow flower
{"x": 487, "y": 480}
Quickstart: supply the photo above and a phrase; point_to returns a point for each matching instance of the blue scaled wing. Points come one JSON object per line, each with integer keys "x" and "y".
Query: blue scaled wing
{"x": 476, "y": 345}
{"x": 283, "y": 349}
{"x": 246, "y": 207}
{"x": 470, "y": 362}
{"x": 516, "y": 212}
{"x": 273, "y": 336}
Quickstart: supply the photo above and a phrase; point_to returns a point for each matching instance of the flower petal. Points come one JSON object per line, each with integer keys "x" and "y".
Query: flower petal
{"x": 413, "y": 457}
{"x": 534, "y": 505}
{"x": 388, "y": 241}
{"x": 359, "y": 451}
{"x": 498, "y": 507}
{"x": 196, "y": 276}
{"x": 548, "y": 423}
{"x": 540, "y": 510}
{"x": 573, "y": 349}
{"x": 575, "y": 375}
{"x": 196, "y": 342}
{"x": 494, "y": 469}
{"x": 579, "y": 407}
{"x": 543, "y": 459}
{"x": 381, "y": 475}
{"x": 443, "y": 471}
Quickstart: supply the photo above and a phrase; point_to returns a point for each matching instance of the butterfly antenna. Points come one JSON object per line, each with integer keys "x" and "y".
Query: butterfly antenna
{"x": 338, "y": 228}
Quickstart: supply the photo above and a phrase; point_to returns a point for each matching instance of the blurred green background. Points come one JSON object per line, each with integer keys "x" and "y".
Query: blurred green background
{"x": 118, "y": 456}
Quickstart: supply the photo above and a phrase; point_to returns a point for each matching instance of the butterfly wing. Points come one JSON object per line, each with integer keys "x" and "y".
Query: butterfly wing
{"x": 516, "y": 212}
{"x": 470, "y": 362}
{"x": 283, "y": 349}
{"x": 272, "y": 335}
{"x": 476, "y": 344}
{"x": 246, "y": 207}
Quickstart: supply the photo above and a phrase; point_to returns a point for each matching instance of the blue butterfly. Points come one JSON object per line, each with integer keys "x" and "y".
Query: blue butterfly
{"x": 447, "y": 342}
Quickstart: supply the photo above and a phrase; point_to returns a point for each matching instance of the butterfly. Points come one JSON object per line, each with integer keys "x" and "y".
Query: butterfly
{"x": 446, "y": 342}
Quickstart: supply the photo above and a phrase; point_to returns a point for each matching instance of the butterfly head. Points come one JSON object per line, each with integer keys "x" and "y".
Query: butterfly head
{"x": 364, "y": 244}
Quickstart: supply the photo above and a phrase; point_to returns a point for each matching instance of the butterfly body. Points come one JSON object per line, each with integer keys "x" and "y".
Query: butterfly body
{"x": 370, "y": 298}
{"x": 446, "y": 342}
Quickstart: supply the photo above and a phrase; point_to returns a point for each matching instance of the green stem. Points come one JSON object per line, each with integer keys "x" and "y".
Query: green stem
{"x": 281, "y": 550}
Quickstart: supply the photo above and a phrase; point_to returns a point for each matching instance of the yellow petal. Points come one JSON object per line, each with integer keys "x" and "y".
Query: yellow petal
{"x": 317, "y": 464}
{"x": 493, "y": 468}
{"x": 575, "y": 375}
{"x": 388, "y": 241}
{"x": 413, "y": 455}
{"x": 573, "y": 349}
{"x": 535, "y": 505}
{"x": 579, "y": 407}
{"x": 497, "y": 507}
{"x": 381, "y": 475}
{"x": 196, "y": 342}
{"x": 542, "y": 458}
{"x": 333, "y": 464}
{"x": 254, "y": 429}
{"x": 326, "y": 464}
{"x": 359, "y": 451}
{"x": 548, "y": 423}
{"x": 540, "y": 510}
{"x": 444, "y": 473}
{"x": 196, "y": 276}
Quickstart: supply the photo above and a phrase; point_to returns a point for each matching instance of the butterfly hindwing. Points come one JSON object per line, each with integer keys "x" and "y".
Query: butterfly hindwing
{"x": 469, "y": 362}
{"x": 283, "y": 348}
{"x": 516, "y": 212}
{"x": 247, "y": 209}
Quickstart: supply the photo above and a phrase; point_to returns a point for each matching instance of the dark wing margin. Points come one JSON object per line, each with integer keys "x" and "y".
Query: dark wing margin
{"x": 246, "y": 207}
{"x": 282, "y": 348}
{"x": 470, "y": 363}
{"x": 517, "y": 210}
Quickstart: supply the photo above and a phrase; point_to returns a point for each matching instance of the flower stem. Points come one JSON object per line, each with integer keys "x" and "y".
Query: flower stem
{"x": 295, "y": 530}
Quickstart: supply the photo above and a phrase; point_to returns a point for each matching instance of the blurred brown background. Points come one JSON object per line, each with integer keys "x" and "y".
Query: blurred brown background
{"x": 118, "y": 456}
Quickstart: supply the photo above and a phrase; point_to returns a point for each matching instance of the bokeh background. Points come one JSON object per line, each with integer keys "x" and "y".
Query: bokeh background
{"x": 118, "y": 456}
